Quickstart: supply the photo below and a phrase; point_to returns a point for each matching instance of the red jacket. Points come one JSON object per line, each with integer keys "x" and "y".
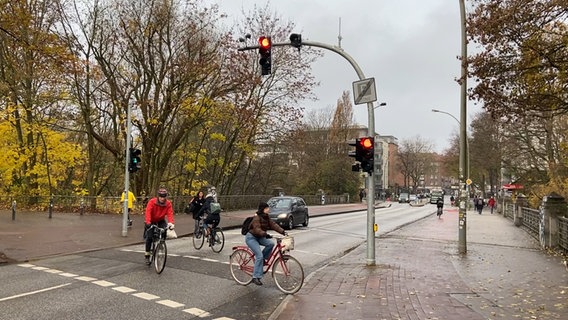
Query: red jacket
{"x": 491, "y": 202}
{"x": 156, "y": 212}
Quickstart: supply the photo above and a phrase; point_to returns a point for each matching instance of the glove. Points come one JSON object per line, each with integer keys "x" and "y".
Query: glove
{"x": 285, "y": 233}
{"x": 171, "y": 226}
{"x": 268, "y": 236}
{"x": 147, "y": 226}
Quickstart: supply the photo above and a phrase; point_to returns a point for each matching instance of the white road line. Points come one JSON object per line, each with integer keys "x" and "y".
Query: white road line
{"x": 197, "y": 312}
{"x": 34, "y": 292}
{"x": 26, "y": 265}
{"x": 39, "y": 268}
{"x": 145, "y": 296}
{"x": 53, "y": 271}
{"x": 223, "y": 318}
{"x": 85, "y": 278}
{"x": 104, "y": 283}
{"x": 68, "y": 275}
{"x": 170, "y": 303}
{"x": 123, "y": 289}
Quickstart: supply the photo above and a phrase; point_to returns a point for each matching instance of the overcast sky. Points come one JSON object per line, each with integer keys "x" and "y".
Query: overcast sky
{"x": 410, "y": 47}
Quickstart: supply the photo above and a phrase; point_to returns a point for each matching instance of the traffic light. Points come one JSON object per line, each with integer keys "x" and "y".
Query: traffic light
{"x": 296, "y": 40}
{"x": 366, "y": 150}
{"x": 265, "y": 50}
{"x": 134, "y": 164}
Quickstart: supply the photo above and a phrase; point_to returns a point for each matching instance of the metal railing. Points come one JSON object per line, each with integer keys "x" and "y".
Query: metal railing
{"x": 508, "y": 210}
{"x": 531, "y": 220}
{"x": 563, "y": 233}
{"x": 102, "y": 204}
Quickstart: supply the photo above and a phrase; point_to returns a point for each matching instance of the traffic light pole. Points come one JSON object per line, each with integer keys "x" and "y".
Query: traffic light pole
{"x": 126, "y": 174}
{"x": 371, "y": 133}
{"x": 297, "y": 42}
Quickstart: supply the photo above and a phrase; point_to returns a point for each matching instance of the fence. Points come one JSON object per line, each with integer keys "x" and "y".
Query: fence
{"x": 549, "y": 224}
{"x": 114, "y": 205}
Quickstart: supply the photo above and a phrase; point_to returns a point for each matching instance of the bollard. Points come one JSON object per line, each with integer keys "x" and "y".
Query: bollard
{"x": 14, "y": 210}
{"x": 50, "y": 206}
{"x": 82, "y": 206}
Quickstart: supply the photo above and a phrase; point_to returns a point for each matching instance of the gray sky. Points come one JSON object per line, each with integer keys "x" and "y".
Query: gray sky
{"x": 410, "y": 47}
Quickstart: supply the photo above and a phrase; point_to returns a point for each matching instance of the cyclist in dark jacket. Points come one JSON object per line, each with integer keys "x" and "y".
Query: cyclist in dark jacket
{"x": 440, "y": 206}
{"x": 258, "y": 236}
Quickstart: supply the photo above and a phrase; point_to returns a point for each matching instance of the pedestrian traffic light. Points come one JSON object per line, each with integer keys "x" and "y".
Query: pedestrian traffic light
{"x": 366, "y": 150}
{"x": 135, "y": 160}
{"x": 265, "y": 50}
{"x": 296, "y": 40}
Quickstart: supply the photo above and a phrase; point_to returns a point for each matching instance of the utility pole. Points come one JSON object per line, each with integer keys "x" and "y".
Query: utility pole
{"x": 464, "y": 174}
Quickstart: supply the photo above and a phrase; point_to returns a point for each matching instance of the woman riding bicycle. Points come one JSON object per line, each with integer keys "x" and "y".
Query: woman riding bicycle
{"x": 212, "y": 217}
{"x": 258, "y": 236}
{"x": 157, "y": 210}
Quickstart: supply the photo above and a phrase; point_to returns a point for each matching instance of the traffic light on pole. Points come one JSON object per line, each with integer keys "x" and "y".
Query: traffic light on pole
{"x": 265, "y": 50}
{"x": 135, "y": 160}
{"x": 366, "y": 150}
{"x": 355, "y": 154}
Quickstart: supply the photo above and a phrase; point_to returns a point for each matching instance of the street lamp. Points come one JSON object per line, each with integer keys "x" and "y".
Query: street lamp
{"x": 464, "y": 163}
{"x": 382, "y": 104}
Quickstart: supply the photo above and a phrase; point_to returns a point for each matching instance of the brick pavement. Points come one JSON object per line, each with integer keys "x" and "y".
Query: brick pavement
{"x": 419, "y": 275}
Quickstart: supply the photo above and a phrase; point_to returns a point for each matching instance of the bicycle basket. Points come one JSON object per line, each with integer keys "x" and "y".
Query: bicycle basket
{"x": 287, "y": 243}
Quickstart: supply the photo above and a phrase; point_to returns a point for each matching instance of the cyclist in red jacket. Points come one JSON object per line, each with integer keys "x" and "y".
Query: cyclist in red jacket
{"x": 158, "y": 211}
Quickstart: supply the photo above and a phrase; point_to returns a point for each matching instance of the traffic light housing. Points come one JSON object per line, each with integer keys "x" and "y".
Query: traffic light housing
{"x": 265, "y": 50}
{"x": 366, "y": 150}
{"x": 134, "y": 164}
{"x": 364, "y": 154}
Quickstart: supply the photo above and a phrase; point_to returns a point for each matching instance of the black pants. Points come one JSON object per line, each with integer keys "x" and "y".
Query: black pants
{"x": 149, "y": 237}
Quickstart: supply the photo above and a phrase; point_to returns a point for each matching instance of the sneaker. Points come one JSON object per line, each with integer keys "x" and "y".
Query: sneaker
{"x": 256, "y": 281}
{"x": 130, "y": 223}
{"x": 147, "y": 259}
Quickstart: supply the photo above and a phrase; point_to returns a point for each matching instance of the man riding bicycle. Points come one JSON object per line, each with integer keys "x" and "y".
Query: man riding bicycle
{"x": 212, "y": 217}
{"x": 440, "y": 206}
{"x": 158, "y": 211}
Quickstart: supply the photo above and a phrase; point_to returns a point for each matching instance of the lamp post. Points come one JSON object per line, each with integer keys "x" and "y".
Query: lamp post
{"x": 464, "y": 192}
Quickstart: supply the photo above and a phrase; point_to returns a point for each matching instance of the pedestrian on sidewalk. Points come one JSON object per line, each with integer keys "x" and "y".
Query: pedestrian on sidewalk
{"x": 361, "y": 195}
{"x": 195, "y": 206}
{"x": 491, "y": 203}
{"x": 478, "y": 201}
{"x": 131, "y": 200}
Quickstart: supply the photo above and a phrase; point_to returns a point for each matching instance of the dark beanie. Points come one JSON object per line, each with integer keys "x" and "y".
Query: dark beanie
{"x": 261, "y": 207}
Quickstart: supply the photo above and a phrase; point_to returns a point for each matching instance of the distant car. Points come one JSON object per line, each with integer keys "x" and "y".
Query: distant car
{"x": 288, "y": 211}
{"x": 412, "y": 198}
{"x": 403, "y": 198}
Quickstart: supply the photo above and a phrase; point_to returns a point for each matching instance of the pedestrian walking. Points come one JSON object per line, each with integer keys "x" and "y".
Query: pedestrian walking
{"x": 131, "y": 200}
{"x": 491, "y": 203}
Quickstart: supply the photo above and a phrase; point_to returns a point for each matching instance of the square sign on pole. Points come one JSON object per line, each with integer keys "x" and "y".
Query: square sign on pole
{"x": 364, "y": 91}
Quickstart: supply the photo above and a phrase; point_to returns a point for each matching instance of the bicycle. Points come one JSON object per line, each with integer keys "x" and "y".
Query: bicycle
{"x": 216, "y": 237}
{"x": 439, "y": 212}
{"x": 159, "y": 251}
{"x": 287, "y": 271}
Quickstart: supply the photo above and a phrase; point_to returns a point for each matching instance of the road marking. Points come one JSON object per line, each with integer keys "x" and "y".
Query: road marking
{"x": 145, "y": 296}
{"x": 39, "y": 268}
{"x": 197, "y": 312}
{"x": 104, "y": 283}
{"x": 84, "y": 278}
{"x": 170, "y": 303}
{"x": 34, "y": 292}
{"x": 123, "y": 289}
{"x": 68, "y": 275}
{"x": 53, "y": 271}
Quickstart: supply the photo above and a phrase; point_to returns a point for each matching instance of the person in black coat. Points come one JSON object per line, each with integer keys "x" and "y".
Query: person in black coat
{"x": 195, "y": 206}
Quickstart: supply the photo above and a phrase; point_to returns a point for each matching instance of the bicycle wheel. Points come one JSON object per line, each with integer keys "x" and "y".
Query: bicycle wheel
{"x": 241, "y": 262}
{"x": 198, "y": 239}
{"x": 218, "y": 240}
{"x": 160, "y": 256}
{"x": 288, "y": 274}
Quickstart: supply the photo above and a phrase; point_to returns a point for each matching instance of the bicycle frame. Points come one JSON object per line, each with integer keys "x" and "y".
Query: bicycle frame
{"x": 274, "y": 254}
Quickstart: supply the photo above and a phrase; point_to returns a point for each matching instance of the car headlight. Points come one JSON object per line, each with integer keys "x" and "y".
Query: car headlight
{"x": 282, "y": 216}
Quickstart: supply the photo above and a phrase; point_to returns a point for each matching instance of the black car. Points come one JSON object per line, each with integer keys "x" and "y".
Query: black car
{"x": 288, "y": 211}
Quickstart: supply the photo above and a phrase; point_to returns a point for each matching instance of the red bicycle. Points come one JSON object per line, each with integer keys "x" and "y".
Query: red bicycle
{"x": 287, "y": 272}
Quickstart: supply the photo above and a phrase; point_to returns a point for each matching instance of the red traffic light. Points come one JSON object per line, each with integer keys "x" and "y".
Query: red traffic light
{"x": 367, "y": 143}
{"x": 264, "y": 43}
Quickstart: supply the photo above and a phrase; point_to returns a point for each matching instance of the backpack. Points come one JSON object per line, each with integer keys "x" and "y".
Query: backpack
{"x": 215, "y": 208}
{"x": 246, "y": 226}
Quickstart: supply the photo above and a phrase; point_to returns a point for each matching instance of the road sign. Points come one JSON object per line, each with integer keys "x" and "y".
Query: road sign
{"x": 468, "y": 182}
{"x": 364, "y": 91}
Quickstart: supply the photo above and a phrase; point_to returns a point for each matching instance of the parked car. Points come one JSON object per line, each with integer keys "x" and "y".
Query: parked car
{"x": 412, "y": 198}
{"x": 288, "y": 211}
{"x": 403, "y": 198}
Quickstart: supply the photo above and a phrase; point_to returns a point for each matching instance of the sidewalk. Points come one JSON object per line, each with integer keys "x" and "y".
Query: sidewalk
{"x": 32, "y": 235}
{"x": 420, "y": 275}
